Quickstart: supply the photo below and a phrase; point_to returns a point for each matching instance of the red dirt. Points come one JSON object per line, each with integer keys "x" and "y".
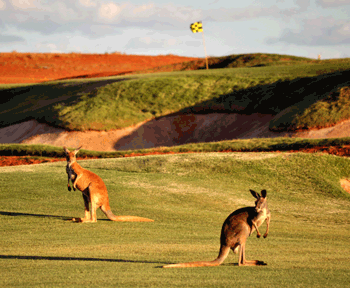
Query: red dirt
{"x": 38, "y": 67}
{"x": 28, "y": 160}
{"x": 24, "y": 160}
{"x": 343, "y": 151}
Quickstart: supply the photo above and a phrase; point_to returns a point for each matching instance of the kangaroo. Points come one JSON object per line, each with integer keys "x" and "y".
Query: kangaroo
{"x": 238, "y": 226}
{"x": 94, "y": 191}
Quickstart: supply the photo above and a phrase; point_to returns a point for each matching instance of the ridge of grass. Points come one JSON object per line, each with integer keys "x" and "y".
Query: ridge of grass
{"x": 118, "y": 102}
{"x": 328, "y": 111}
{"x": 235, "y": 61}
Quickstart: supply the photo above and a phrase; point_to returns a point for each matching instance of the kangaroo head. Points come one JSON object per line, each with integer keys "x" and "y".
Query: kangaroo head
{"x": 71, "y": 156}
{"x": 261, "y": 201}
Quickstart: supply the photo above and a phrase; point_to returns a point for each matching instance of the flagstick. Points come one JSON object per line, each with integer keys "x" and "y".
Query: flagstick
{"x": 205, "y": 51}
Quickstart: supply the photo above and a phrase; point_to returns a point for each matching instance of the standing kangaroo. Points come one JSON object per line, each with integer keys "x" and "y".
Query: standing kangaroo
{"x": 94, "y": 191}
{"x": 236, "y": 229}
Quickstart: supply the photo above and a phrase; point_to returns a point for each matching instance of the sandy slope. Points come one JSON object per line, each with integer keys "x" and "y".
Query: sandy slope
{"x": 165, "y": 131}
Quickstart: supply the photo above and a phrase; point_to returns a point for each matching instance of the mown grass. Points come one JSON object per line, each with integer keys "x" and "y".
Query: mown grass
{"x": 120, "y": 102}
{"x": 189, "y": 196}
{"x": 246, "y": 145}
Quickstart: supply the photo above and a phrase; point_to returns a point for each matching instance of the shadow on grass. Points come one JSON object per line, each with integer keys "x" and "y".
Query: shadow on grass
{"x": 274, "y": 97}
{"x": 64, "y": 218}
{"x": 5, "y": 213}
{"x": 60, "y": 258}
{"x": 24, "y": 103}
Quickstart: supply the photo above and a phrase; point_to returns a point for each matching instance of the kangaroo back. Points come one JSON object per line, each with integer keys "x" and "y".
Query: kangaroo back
{"x": 237, "y": 227}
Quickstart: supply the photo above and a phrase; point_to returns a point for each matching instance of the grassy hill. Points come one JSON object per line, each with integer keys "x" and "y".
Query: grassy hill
{"x": 292, "y": 92}
{"x": 234, "y": 61}
{"x": 189, "y": 196}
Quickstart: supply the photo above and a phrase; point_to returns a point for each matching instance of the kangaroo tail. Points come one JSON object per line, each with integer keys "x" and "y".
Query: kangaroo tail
{"x": 224, "y": 251}
{"x": 193, "y": 264}
{"x": 113, "y": 217}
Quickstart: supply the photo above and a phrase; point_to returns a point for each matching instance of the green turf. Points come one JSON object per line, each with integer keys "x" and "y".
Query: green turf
{"x": 189, "y": 196}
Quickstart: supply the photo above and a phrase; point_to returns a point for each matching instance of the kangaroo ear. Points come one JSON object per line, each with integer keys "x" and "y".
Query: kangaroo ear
{"x": 77, "y": 150}
{"x": 256, "y": 195}
{"x": 65, "y": 149}
{"x": 263, "y": 193}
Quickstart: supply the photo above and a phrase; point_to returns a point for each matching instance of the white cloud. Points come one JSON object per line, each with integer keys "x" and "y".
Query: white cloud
{"x": 62, "y": 12}
{"x": 109, "y": 11}
{"x": 51, "y": 47}
{"x": 2, "y": 5}
{"x": 252, "y": 12}
{"x": 65, "y": 15}
{"x": 25, "y": 4}
{"x": 317, "y": 32}
{"x": 143, "y": 8}
{"x": 332, "y": 3}
{"x": 88, "y": 3}
{"x": 344, "y": 30}
{"x": 153, "y": 41}
{"x": 156, "y": 27}
{"x": 303, "y": 4}
{"x": 21, "y": 18}
{"x": 10, "y": 39}
{"x": 181, "y": 14}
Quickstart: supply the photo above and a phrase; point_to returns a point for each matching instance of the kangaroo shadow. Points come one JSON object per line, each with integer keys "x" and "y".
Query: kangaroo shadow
{"x": 6, "y": 213}
{"x": 61, "y": 258}
{"x": 64, "y": 218}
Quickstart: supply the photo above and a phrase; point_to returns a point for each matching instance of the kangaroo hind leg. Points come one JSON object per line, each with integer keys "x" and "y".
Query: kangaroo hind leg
{"x": 94, "y": 201}
{"x": 243, "y": 262}
{"x": 68, "y": 186}
{"x": 87, "y": 212}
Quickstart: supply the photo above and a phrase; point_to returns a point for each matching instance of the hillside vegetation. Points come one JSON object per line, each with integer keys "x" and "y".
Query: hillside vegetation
{"x": 292, "y": 92}
{"x": 234, "y": 61}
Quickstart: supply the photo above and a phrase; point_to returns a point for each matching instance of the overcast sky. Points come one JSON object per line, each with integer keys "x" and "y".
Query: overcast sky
{"x": 295, "y": 27}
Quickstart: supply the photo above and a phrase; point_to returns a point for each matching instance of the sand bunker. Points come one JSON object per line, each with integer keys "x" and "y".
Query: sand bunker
{"x": 345, "y": 184}
{"x": 165, "y": 131}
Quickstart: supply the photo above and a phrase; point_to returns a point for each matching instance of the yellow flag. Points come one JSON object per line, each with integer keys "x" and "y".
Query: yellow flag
{"x": 196, "y": 27}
